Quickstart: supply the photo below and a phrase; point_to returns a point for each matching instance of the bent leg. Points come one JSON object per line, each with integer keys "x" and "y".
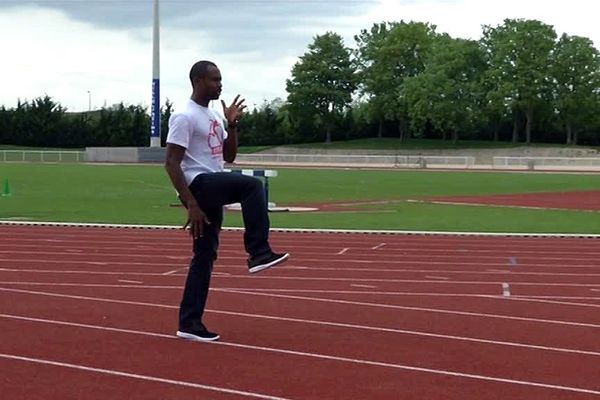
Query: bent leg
{"x": 218, "y": 189}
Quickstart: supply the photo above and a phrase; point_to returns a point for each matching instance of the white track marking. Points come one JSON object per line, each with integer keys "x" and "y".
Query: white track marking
{"x": 379, "y": 246}
{"x": 423, "y": 309}
{"x": 562, "y": 303}
{"x": 364, "y": 286}
{"x": 524, "y": 296}
{"x": 297, "y": 278}
{"x": 399, "y": 261}
{"x": 437, "y": 277}
{"x": 505, "y": 290}
{"x": 322, "y": 323}
{"x": 134, "y": 282}
{"x": 300, "y": 230}
{"x": 344, "y": 250}
{"x": 536, "y": 299}
{"x": 317, "y": 299}
{"x": 237, "y": 267}
{"x": 295, "y": 353}
{"x": 138, "y": 376}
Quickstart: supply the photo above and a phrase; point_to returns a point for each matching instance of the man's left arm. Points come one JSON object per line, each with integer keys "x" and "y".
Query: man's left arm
{"x": 232, "y": 114}
{"x": 230, "y": 145}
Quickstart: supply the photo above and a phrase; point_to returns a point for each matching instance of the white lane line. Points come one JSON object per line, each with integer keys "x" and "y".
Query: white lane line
{"x": 310, "y": 355}
{"x": 317, "y": 299}
{"x": 171, "y": 272}
{"x": 126, "y": 281}
{"x": 505, "y": 290}
{"x": 422, "y": 309}
{"x": 321, "y": 323}
{"x": 312, "y": 268}
{"x": 437, "y": 277}
{"x": 398, "y": 261}
{"x": 344, "y": 250}
{"x": 365, "y": 286}
{"x": 138, "y": 376}
{"x": 522, "y": 298}
{"x": 562, "y": 303}
{"x": 379, "y": 246}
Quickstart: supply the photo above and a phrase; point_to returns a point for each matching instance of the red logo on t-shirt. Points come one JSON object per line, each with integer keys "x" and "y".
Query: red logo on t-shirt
{"x": 215, "y": 137}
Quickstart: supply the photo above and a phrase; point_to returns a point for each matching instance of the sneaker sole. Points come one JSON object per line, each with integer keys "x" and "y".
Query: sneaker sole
{"x": 262, "y": 267}
{"x": 195, "y": 338}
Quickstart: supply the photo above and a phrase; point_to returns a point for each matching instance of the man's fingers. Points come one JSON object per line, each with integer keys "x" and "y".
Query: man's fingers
{"x": 197, "y": 230}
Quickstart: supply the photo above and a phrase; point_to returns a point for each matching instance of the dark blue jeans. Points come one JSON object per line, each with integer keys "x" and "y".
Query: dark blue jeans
{"x": 213, "y": 191}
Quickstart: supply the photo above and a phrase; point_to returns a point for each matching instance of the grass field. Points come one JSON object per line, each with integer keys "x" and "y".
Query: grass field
{"x": 135, "y": 194}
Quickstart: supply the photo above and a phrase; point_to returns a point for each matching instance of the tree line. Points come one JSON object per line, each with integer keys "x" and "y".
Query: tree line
{"x": 520, "y": 83}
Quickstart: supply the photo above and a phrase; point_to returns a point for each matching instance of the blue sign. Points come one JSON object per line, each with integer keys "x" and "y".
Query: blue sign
{"x": 155, "y": 112}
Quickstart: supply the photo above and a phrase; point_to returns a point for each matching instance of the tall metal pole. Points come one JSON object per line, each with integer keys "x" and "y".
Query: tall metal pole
{"x": 155, "y": 113}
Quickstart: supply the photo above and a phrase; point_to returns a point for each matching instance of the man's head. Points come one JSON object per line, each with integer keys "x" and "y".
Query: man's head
{"x": 206, "y": 79}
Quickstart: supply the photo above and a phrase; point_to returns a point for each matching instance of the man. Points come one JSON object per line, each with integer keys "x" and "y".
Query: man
{"x": 198, "y": 143}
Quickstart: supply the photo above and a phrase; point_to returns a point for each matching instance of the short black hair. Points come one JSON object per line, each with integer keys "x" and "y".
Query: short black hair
{"x": 200, "y": 69}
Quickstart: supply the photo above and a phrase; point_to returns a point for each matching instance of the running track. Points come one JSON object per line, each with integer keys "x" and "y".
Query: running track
{"x": 90, "y": 313}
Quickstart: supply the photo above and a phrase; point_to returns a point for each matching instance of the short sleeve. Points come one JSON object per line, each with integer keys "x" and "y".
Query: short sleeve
{"x": 180, "y": 131}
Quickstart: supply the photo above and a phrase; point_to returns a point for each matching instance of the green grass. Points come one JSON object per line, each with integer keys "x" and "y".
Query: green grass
{"x": 137, "y": 194}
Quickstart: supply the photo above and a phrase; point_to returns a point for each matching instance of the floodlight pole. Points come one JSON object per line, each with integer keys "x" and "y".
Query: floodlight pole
{"x": 155, "y": 112}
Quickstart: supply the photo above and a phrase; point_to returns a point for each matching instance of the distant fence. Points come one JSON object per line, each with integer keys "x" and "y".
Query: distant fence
{"x": 547, "y": 162}
{"x": 42, "y": 155}
{"x": 353, "y": 160}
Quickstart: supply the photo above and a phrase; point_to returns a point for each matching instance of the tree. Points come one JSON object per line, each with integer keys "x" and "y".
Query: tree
{"x": 370, "y": 72}
{"x": 6, "y": 126}
{"x": 38, "y": 123}
{"x": 322, "y": 83}
{"x": 446, "y": 93}
{"x": 390, "y": 54}
{"x": 576, "y": 73}
{"x": 518, "y": 53}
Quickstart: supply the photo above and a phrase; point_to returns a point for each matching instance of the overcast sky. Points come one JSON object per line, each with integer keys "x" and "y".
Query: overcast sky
{"x": 101, "y": 50}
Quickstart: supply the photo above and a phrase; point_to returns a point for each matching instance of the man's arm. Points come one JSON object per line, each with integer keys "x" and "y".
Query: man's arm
{"x": 232, "y": 114}
{"x": 196, "y": 217}
{"x": 230, "y": 145}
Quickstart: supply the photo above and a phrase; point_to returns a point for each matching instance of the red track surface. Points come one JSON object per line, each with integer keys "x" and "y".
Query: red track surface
{"x": 90, "y": 313}
{"x": 588, "y": 200}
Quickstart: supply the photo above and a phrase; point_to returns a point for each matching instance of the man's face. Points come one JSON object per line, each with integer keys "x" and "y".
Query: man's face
{"x": 210, "y": 84}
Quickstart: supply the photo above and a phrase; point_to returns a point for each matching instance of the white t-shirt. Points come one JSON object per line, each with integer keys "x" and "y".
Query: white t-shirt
{"x": 200, "y": 130}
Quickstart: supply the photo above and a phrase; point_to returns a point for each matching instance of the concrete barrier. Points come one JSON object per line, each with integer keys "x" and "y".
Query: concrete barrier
{"x": 125, "y": 154}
